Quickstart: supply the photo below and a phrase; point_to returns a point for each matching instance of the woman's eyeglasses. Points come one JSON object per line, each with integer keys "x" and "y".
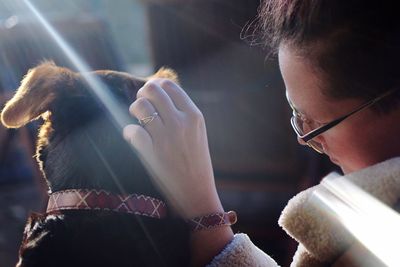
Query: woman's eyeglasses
{"x": 306, "y": 132}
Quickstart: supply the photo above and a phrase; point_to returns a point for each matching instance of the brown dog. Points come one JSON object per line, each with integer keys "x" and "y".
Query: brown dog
{"x": 79, "y": 147}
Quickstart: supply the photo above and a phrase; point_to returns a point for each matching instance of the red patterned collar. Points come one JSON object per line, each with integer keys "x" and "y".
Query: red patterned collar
{"x": 91, "y": 199}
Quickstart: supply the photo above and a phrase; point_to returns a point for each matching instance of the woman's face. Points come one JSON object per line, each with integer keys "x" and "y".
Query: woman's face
{"x": 359, "y": 141}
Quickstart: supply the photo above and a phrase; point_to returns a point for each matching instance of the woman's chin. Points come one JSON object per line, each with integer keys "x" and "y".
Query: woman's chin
{"x": 345, "y": 168}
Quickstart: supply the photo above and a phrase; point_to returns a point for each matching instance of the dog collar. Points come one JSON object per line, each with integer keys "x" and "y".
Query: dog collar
{"x": 85, "y": 199}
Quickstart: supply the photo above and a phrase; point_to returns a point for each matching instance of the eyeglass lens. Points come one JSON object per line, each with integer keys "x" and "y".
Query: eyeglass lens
{"x": 302, "y": 127}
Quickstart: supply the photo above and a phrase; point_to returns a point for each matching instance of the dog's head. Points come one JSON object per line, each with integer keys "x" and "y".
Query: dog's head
{"x": 78, "y": 144}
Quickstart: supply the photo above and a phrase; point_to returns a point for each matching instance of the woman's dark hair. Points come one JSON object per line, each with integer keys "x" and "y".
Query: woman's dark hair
{"x": 354, "y": 44}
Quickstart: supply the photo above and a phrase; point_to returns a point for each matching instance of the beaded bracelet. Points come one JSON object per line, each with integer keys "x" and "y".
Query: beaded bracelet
{"x": 212, "y": 220}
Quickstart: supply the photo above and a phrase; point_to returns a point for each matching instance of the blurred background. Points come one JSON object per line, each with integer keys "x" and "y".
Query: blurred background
{"x": 257, "y": 162}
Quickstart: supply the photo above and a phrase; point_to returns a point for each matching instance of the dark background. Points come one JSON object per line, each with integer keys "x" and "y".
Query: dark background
{"x": 257, "y": 162}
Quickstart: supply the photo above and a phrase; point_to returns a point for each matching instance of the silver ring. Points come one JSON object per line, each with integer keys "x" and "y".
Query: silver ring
{"x": 147, "y": 119}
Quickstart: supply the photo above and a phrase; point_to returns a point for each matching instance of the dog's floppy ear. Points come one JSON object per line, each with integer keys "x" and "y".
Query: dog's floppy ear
{"x": 166, "y": 73}
{"x": 36, "y": 92}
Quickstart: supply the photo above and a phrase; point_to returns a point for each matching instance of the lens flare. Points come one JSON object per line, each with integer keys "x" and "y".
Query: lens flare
{"x": 371, "y": 222}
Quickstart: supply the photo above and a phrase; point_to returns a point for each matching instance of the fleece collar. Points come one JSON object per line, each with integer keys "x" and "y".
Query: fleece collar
{"x": 323, "y": 239}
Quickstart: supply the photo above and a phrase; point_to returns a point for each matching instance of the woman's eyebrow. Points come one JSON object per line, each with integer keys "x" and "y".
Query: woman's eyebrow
{"x": 303, "y": 115}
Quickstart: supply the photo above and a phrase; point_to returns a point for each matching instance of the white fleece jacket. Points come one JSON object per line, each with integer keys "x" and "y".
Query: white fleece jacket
{"x": 322, "y": 239}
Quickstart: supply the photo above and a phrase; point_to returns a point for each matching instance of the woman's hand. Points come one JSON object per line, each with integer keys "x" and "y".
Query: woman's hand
{"x": 174, "y": 147}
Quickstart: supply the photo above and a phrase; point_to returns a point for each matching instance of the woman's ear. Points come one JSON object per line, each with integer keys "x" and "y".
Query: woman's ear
{"x": 40, "y": 86}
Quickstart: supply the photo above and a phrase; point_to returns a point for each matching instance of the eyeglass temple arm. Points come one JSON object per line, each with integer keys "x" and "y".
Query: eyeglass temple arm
{"x": 323, "y": 128}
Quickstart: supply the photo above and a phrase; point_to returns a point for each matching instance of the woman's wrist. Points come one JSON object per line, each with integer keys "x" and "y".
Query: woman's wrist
{"x": 212, "y": 220}
{"x": 203, "y": 206}
{"x": 209, "y": 243}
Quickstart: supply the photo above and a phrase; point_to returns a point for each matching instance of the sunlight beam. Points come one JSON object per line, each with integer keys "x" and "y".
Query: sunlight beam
{"x": 99, "y": 89}
{"x": 119, "y": 115}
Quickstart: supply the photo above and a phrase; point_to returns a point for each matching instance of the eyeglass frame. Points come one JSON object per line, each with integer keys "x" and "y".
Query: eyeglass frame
{"x": 306, "y": 138}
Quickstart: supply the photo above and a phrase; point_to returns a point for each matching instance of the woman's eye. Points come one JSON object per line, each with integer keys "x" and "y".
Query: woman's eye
{"x": 309, "y": 123}
{"x": 306, "y": 120}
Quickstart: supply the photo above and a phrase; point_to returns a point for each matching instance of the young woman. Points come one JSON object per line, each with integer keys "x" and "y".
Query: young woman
{"x": 339, "y": 61}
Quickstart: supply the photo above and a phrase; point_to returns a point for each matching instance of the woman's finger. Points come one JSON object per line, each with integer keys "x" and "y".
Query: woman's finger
{"x": 147, "y": 115}
{"x": 178, "y": 96}
{"x": 158, "y": 97}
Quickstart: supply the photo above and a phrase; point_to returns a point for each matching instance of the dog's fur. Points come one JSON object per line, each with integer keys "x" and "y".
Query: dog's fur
{"x": 79, "y": 147}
